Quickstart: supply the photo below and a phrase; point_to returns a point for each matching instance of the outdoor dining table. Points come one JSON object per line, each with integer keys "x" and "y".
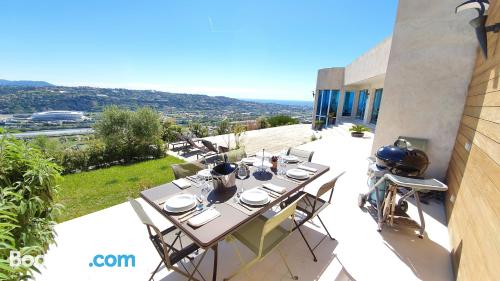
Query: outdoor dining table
{"x": 233, "y": 215}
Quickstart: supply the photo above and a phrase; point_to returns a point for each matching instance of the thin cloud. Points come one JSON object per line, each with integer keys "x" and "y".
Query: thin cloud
{"x": 212, "y": 28}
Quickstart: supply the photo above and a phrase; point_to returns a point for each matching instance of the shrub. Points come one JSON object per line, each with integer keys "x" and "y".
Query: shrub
{"x": 262, "y": 123}
{"x": 198, "y": 130}
{"x": 28, "y": 184}
{"x": 75, "y": 159}
{"x": 223, "y": 127}
{"x": 281, "y": 120}
{"x": 129, "y": 135}
{"x": 238, "y": 131}
{"x": 170, "y": 131}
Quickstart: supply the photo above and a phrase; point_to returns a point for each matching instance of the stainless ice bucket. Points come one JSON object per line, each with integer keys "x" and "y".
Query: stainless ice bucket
{"x": 224, "y": 176}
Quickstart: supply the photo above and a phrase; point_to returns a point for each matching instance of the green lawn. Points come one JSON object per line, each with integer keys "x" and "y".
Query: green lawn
{"x": 87, "y": 192}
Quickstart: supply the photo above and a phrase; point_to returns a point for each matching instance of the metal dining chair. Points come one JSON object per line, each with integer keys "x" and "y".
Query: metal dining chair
{"x": 262, "y": 235}
{"x": 185, "y": 169}
{"x": 169, "y": 245}
{"x": 311, "y": 205}
{"x": 303, "y": 155}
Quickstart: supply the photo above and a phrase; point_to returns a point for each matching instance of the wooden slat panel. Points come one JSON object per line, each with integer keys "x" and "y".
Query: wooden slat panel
{"x": 491, "y": 75}
{"x": 487, "y": 128}
{"x": 487, "y": 165}
{"x": 474, "y": 176}
{"x": 462, "y": 140}
{"x": 481, "y": 88}
{"x": 489, "y": 99}
{"x": 490, "y": 147}
{"x": 486, "y": 113}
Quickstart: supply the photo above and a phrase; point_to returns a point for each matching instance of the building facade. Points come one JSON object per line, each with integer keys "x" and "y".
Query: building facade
{"x": 352, "y": 92}
{"x": 429, "y": 81}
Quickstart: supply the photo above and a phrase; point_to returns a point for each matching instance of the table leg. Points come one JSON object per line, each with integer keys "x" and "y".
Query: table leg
{"x": 215, "y": 248}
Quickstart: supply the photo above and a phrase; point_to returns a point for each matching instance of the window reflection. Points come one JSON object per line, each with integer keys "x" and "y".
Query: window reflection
{"x": 363, "y": 96}
{"x": 376, "y": 106}
{"x": 348, "y": 100}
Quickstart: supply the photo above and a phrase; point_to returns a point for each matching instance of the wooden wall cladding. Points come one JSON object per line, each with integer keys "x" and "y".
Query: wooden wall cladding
{"x": 473, "y": 198}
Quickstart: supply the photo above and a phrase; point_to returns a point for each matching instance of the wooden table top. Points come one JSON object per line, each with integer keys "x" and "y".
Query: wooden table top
{"x": 231, "y": 218}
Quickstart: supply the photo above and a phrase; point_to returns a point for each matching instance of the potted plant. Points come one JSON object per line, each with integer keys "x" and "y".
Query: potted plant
{"x": 332, "y": 118}
{"x": 318, "y": 124}
{"x": 358, "y": 131}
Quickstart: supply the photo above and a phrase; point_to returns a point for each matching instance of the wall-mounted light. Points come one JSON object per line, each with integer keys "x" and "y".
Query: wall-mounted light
{"x": 479, "y": 23}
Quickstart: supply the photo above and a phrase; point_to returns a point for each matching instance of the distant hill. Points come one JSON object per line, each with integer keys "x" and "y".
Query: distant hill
{"x": 304, "y": 103}
{"x": 27, "y": 99}
{"x": 24, "y": 83}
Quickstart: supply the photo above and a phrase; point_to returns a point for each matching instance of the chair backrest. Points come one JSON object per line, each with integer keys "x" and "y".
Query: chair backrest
{"x": 277, "y": 219}
{"x": 329, "y": 186}
{"x": 190, "y": 141}
{"x": 185, "y": 169}
{"x": 210, "y": 146}
{"x": 303, "y": 155}
{"x": 146, "y": 220}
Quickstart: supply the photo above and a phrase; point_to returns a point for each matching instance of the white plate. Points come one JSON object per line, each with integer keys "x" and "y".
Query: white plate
{"x": 249, "y": 160}
{"x": 255, "y": 197}
{"x": 204, "y": 173}
{"x": 291, "y": 158}
{"x": 180, "y": 203}
{"x": 297, "y": 174}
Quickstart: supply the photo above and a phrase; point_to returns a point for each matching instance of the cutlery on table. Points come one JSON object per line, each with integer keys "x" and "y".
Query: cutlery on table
{"x": 244, "y": 206}
{"x": 273, "y": 191}
{"x": 269, "y": 192}
{"x": 290, "y": 179}
{"x": 195, "y": 213}
{"x": 188, "y": 213}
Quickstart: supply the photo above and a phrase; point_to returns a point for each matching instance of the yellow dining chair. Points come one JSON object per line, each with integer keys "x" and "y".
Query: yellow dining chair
{"x": 262, "y": 235}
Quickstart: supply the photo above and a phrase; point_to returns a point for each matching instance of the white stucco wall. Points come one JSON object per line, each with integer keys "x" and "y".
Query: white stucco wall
{"x": 330, "y": 78}
{"x": 369, "y": 65}
{"x": 430, "y": 65}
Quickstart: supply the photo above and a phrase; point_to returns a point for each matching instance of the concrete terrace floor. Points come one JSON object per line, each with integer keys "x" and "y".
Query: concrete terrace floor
{"x": 360, "y": 252}
{"x": 271, "y": 139}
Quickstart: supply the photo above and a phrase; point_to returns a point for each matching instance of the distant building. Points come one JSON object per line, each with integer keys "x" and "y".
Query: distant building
{"x": 60, "y": 115}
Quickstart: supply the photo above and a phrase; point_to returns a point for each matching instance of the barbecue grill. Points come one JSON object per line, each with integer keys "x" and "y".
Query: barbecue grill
{"x": 394, "y": 167}
{"x": 402, "y": 159}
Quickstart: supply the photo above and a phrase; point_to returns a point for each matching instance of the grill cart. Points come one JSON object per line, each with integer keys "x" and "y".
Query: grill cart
{"x": 398, "y": 166}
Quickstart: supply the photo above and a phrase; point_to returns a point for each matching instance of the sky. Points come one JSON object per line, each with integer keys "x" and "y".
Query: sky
{"x": 244, "y": 49}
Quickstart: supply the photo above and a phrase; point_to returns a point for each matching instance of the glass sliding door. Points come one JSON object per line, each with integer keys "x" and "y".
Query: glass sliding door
{"x": 376, "y": 106}
{"x": 363, "y": 96}
{"x": 332, "y": 111}
{"x": 326, "y": 106}
{"x": 348, "y": 100}
{"x": 324, "y": 103}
